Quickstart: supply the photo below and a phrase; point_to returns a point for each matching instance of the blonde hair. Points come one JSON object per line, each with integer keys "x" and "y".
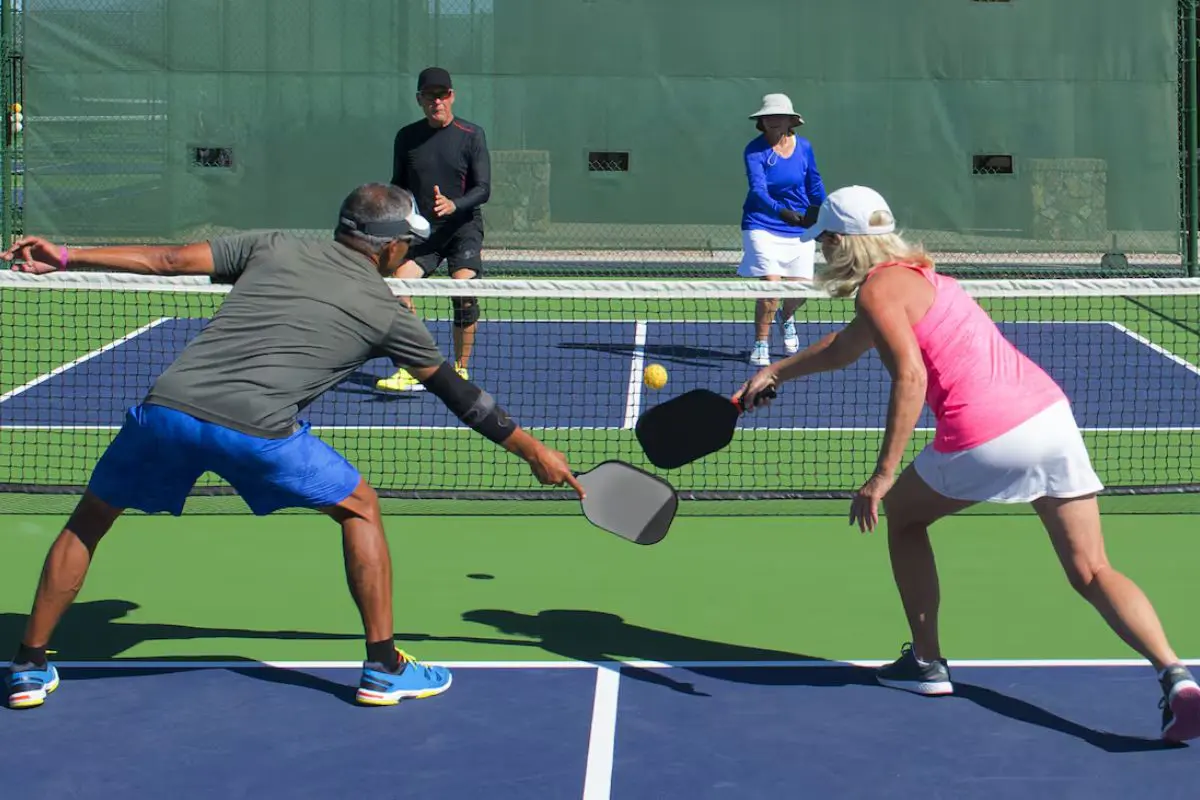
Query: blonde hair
{"x": 856, "y": 255}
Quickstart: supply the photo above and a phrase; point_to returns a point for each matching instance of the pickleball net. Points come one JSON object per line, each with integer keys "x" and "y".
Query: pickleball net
{"x": 566, "y": 358}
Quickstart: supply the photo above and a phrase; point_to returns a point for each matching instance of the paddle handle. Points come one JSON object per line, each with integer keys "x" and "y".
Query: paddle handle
{"x": 768, "y": 393}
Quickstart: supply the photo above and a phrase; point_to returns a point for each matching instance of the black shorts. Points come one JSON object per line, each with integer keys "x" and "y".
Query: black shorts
{"x": 459, "y": 246}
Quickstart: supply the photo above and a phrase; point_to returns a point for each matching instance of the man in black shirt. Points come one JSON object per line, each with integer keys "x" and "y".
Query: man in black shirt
{"x": 443, "y": 160}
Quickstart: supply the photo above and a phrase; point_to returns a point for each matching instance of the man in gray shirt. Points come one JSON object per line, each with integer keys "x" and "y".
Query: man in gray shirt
{"x": 300, "y": 317}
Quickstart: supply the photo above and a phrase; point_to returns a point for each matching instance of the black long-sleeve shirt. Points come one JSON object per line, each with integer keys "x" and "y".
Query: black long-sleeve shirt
{"x": 454, "y": 158}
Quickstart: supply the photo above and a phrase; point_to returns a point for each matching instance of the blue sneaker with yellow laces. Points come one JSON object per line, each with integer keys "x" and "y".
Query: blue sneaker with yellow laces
{"x": 28, "y": 684}
{"x": 379, "y": 686}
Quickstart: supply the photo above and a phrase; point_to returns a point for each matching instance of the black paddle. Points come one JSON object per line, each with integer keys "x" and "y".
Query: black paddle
{"x": 689, "y": 427}
{"x": 628, "y": 501}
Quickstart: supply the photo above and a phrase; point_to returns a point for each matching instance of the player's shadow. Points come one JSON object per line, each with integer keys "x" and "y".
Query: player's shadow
{"x": 98, "y": 630}
{"x": 676, "y": 354}
{"x": 597, "y": 637}
{"x": 1173, "y": 318}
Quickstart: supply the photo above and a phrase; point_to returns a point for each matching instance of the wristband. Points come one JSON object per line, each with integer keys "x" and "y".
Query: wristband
{"x": 64, "y": 255}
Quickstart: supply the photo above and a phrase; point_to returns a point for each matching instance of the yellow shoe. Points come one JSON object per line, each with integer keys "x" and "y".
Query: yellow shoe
{"x": 402, "y": 381}
{"x": 462, "y": 373}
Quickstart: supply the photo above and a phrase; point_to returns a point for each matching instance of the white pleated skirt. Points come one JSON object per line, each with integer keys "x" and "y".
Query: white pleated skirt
{"x": 765, "y": 253}
{"x": 1045, "y": 456}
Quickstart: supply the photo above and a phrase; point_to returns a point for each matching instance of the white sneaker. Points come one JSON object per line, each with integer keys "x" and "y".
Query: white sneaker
{"x": 760, "y": 356}
{"x": 791, "y": 341}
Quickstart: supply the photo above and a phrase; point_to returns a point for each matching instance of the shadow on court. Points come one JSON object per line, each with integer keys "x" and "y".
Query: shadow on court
{"x": 1170, "y": 315}
{"x": 596, "y": 637}
{"x": 96, "y": 630}
{"x": 670, "y": 354}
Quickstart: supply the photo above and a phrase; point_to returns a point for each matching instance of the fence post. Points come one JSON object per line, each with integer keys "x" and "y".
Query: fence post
{"x": 7, "y": 51}
{"x": 1192, "y": 244}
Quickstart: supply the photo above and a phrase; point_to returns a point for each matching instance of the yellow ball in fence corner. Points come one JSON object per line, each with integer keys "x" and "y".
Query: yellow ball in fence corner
{"x": 655, "y": 376}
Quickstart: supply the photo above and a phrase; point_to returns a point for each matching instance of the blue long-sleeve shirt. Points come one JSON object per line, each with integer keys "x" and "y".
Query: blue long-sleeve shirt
{"x": 777, "y": 183}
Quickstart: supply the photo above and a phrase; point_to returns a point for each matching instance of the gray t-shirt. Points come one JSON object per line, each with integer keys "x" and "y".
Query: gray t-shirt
{"x": 301, "y": 317}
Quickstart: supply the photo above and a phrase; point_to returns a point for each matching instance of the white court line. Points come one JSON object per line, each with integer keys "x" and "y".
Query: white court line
{"x": 81, "y": 359}
{"x": 633, "y": 394}
{"x": 597, "y": 781}
{"x": 1000, "y": 663}
{"x": 640, "y": 334}
{"x": 1189, "y": 366}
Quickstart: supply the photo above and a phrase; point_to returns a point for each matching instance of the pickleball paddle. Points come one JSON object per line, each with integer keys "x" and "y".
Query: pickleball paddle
{"x": 689, "y": 427}
{"x": 628, "y": 502}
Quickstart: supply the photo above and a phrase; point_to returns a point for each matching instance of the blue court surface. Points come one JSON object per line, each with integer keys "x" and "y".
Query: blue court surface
{"x": 574, "y": 730}
{"x": 588, "y": 375}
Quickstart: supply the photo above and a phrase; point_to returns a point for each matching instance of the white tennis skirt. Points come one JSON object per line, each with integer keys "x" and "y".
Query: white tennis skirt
{"x": 1043, "y": 456}
{"x": 765, "y": 253}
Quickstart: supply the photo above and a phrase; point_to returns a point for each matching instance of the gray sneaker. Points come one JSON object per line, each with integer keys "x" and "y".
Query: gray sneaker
{"x": 1180, "y": 705}
{"x": 930, "y": 679}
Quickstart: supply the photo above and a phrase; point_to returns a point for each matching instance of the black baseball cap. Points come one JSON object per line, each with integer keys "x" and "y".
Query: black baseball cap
{"x": 433, "y": 76}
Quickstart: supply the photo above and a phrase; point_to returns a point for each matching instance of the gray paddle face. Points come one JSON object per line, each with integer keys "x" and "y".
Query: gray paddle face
{"x": 628, "y": 502}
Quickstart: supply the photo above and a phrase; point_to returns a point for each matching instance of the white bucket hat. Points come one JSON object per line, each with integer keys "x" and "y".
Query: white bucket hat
{"x": 849, "y": 211}
{"x": 781, "y": 104}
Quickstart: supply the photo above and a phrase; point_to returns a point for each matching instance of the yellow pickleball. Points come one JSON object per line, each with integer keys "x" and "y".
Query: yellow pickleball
{"x": 655, "y": 376}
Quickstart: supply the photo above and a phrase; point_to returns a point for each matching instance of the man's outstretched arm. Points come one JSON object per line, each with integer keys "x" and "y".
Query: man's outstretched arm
{"x": 479, "y": 411}
{"x": 40, "y": 257}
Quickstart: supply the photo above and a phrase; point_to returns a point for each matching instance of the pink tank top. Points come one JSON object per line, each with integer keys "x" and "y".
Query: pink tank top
{"x": 979, "y": 385}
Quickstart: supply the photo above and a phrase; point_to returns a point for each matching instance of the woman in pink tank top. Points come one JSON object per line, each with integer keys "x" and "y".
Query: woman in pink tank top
{"x": 1005, "y": 434}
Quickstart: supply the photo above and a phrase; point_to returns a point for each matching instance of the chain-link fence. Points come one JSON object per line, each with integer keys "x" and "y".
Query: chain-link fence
{"x": 1012, "y": 138}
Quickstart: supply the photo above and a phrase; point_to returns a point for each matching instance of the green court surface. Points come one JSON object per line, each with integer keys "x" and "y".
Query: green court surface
{"x": 549, "y": 588}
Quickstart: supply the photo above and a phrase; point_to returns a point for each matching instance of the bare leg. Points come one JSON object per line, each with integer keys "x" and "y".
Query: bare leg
{"x": 1075, "y": 531}
{"x": 401, "y": 380}
{"x": 407, "y": 271}
{"x": 792, "y": 304}
{"x": 369, "y": 577}
{"x": 367, "y": 559}
{"x": 910, "y": 508}
{"x": 464, "y": 338}
{"x": 66, "y": 566}
{"x": 764, "y": 313}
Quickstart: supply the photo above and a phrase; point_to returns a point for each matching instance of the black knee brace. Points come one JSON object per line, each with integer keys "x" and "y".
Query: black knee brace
{"x": 466, "y": 311}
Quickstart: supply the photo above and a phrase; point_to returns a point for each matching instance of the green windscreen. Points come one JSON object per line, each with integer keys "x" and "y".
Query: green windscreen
{"x": 1005, "y": 134}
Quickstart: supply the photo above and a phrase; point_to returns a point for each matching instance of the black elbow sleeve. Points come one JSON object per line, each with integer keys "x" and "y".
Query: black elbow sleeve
{"x": 476, "y": 408}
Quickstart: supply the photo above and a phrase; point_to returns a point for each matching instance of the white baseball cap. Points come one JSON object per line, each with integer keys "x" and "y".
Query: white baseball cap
{"x": 849, "y": 210}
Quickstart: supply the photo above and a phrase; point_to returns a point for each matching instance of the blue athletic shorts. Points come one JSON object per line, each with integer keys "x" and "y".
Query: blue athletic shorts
{"x": 160, "y": 453}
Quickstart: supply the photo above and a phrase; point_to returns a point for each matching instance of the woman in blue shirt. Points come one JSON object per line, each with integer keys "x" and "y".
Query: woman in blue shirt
{"x": 784, "y": 195}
